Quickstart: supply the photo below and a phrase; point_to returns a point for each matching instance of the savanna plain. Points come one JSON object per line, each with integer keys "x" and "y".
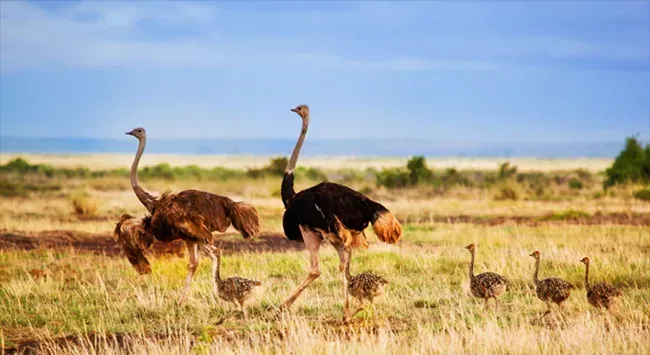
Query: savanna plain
{"x": 65, "y": 286}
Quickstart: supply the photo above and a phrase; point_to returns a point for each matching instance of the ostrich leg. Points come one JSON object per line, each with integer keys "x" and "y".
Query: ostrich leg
{"x": 344, "y": 256}
{"x": 212, "y": 251}
{"x": 192, "y": 248}
{"x": 312, "y": 243}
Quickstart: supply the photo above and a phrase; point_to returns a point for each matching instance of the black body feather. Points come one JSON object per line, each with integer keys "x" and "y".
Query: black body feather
{"x": 318, "y": 207}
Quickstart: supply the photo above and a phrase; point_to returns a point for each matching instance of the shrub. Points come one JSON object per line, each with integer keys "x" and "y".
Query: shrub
{"x": 643, "y": 195}
{"x": 393, "y": 178}
{"x": 83, "y": 205}
{"x": 507, "y": 192}
{"x": 11, "y": 189}
{"x": 631, "y": 165}
{"x": 418, "y": 171}
{"x": 575, "y": 184}
{"x": 506, "y": 171}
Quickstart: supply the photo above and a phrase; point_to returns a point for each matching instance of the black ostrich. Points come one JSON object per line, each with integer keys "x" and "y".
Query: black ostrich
{"x": 333, "y": 212}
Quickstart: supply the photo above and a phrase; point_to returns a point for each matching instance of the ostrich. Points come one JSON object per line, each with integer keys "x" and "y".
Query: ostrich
{"x": 235, "y": 289}
{"x": 601, "y": 294}
{"x": 551, "y": 289}
{"x": 486, "y": 285}
{"x": 190, "y": 215}
{"x": 365, "y": 286}
{"x": 331, "y": 212}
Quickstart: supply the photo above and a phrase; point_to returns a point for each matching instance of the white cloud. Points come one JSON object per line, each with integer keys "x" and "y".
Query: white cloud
{"x": 110, "y": 34}
{"x": 31, "y": 36}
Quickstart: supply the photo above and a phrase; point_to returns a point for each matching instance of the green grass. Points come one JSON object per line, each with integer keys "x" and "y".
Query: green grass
{"x": 427, "y": 306}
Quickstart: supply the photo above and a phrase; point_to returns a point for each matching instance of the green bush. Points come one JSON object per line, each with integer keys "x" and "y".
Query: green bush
{"x": 506, "y": 170}
{"x": 575, "y": 184}
{"x": 631, "y": 165}
{"x": 418, "y": 171}
{"x": 643, "y": 195}
{"x": 393, "y": 178}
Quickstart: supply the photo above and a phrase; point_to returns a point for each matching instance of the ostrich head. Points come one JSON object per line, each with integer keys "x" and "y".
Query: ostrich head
{"x": 535, "y": 254}
{"x": 133, "y": 239}
{"x": 585, "y": 260}
{"x": 138, "y": 133}
{"x": 471, "y": 248}
{"x": 302, "y": 111}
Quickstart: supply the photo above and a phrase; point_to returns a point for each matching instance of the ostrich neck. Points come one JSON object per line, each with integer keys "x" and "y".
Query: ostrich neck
{"x": 296, "y": 150}
{"x": 471, "y": 267}
{"x": 218, "y": 272}
{"x": 587, "y": 277}
{"x": 535, "y": 279}
{"x": 145, "y": 198}
{"x": 287, "y": 190}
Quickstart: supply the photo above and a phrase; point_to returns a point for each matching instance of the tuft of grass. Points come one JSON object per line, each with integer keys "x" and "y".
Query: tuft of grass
{"x": 83, "y": 205}
{"x": 507, "y": 192}
{"x": 565, "y": 215}
{"x": 575, "y": 184}
{"x": 643, "y": 195}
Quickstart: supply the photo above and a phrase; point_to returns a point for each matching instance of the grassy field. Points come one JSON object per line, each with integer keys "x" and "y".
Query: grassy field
{"x": 61, "y": 297}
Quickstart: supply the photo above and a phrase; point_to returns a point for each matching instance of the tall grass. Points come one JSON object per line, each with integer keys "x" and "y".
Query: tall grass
{"x": 427, "y": 308}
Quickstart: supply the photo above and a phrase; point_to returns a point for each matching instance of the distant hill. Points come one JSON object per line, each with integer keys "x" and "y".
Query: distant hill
{"x": 343, "y": 147}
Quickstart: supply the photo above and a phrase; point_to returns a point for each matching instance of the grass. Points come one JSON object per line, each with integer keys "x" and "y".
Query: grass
{"x": 427, "y": 306}
{"x": 103, "y": 306}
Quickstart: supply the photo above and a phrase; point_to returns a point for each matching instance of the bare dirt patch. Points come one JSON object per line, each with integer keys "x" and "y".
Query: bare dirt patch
{"x": 104, "y": 243}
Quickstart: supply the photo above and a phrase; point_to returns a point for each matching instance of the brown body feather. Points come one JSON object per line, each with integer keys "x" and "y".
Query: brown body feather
{"x": 192, "y": 215}
{"x": 134, "y": 240}
{"x": 486, "y": 285}
{"x": 366, "y": 286}
{"x": 551, "y": 289}
{"x": 602, "y": 294}
{"x": 235, "y": 289}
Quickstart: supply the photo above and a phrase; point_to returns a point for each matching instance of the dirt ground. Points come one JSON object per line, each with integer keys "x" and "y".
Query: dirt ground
{"x": 276, "y": 242}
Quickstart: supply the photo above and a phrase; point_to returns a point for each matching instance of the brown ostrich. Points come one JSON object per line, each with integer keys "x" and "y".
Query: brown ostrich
{"x": 331, "y": 212}
{"x": 365, "y": 286}
{"x": 190, "y": 215}
{"x": 236, "y": 289}
{"x": 602, "y": 294}
{"x": 486, "y": 285}
{"x": 551, "y": 289}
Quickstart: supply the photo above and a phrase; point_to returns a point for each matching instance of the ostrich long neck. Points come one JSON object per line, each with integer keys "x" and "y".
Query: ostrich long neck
{"x": 145, "y": 198}
{"x": 587, "y": 277}
{"x": 535, "y": 279}
{"x": 218, "y": 271}
{"x": 287, "y": 189}
{"x": 471, "y": 267}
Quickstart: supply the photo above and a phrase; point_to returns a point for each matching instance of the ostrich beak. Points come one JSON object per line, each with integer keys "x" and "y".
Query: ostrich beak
{"x": 294, "y": 110}
{"x": 129, "y": 133}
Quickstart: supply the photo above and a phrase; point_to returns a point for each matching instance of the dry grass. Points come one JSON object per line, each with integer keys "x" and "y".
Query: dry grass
{"x": 427, "y": 307}
{"x": 103, "y": 306}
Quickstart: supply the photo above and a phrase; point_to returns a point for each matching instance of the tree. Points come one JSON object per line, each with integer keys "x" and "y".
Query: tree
{"x": 631, "y": 165}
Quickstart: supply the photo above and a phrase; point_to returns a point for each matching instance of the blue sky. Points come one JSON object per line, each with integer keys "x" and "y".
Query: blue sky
{"x": 475, "y": 71}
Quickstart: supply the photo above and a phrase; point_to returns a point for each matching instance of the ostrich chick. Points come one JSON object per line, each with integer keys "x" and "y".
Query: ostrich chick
{"x": 551, "y": 289}
{"x": 486, "y": 285}
{"x": 235, "y": 289}
{"x": 601, "y": 294}
{"x": 365, "y": 287}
